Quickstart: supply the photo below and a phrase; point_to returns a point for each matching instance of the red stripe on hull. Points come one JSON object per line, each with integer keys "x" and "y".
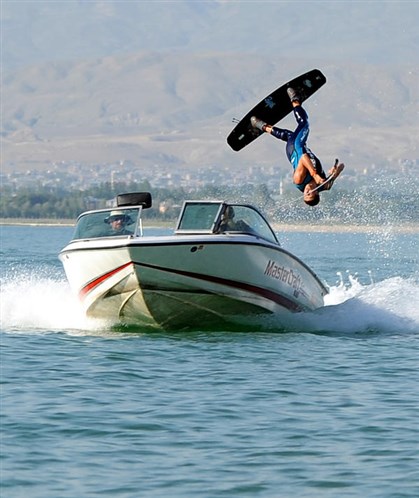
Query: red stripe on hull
{"x": 94, "y": 283}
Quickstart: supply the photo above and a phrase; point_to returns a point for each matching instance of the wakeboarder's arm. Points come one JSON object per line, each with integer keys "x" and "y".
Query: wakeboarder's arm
{"x": 305, "y": 161}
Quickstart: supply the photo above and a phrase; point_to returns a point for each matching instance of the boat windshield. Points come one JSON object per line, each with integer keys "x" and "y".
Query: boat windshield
{"x": 246, "y": 219}
{"x": 219, "y": 217}
{"x": 199, "y": 217}
{"x": 107, "y": 223}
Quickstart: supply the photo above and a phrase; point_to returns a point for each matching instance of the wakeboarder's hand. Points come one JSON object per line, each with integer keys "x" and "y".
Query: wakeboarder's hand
{"x": 318, "y": 179}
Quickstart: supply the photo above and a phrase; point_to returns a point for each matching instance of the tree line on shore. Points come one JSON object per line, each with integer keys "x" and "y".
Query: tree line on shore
{"x": 340, "y": 206}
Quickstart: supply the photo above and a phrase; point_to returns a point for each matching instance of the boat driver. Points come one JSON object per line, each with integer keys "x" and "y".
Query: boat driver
{"x": 118, "y": 221}
{"x": 229, "y": 224}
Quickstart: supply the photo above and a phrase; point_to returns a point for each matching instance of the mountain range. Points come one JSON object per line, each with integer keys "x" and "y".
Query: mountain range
{"x": 159, "y": 82}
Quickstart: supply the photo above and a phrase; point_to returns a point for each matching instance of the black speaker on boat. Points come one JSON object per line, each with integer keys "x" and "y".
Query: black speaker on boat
{"x": 134, "y": 199}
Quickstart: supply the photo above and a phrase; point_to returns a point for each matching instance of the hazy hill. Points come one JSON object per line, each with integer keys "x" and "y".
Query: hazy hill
{"x": 177, "y": 106}
{"x": 159, "y": 82}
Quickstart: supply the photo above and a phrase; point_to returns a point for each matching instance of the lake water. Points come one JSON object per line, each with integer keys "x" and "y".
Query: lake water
{"x": 326, "y": 405}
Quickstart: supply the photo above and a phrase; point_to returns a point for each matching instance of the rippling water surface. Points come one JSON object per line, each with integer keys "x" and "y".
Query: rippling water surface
{"x": 325, "y": 406}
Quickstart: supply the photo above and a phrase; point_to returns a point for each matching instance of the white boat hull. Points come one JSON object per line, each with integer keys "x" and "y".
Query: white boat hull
{"x": 180, "y": 282}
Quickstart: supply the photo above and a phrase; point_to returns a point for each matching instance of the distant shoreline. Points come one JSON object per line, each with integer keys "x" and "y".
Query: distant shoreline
{"x": 294, "y": 227}
{"x": 40, "y": 222}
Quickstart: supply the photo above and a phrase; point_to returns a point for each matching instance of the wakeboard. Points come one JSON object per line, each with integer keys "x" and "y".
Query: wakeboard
{"x": 328, "y": 183}
{"x": 274, "y": 107}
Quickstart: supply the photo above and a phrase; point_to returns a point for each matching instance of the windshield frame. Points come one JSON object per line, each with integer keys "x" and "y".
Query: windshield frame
{"x": 213, "y": 215}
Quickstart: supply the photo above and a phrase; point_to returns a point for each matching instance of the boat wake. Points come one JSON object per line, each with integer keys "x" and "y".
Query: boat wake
{"x": 31, "y": 303}
{"x": 389, "y": 306}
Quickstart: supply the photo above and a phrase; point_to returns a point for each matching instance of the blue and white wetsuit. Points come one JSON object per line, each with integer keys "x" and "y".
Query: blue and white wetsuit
{"x": 296, "y": 144}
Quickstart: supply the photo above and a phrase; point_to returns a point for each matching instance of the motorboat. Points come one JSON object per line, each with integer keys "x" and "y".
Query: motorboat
{"x": 220, "y": 267}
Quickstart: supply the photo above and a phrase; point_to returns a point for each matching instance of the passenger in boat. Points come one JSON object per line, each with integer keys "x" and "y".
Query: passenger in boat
{"x": 308, "y": 171}
{"x": 229, "y": 224}
{"x": 118, "y": 221}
